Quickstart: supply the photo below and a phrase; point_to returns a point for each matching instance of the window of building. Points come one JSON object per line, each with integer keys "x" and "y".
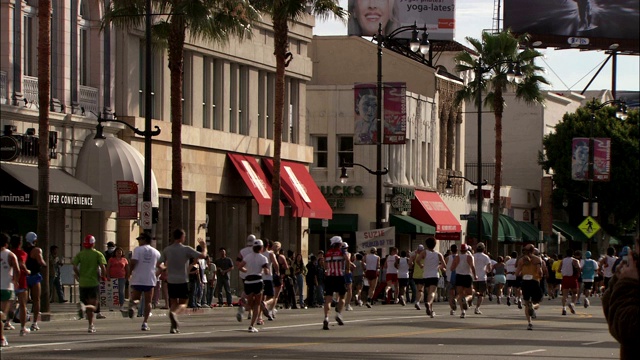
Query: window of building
{"x": 345, "y": 150}
{"x": 294, "y": 115}
{"x": 243, "y": 100}
{"x": 262, "y": 103}
{"x": 83, "y": 45}
{"x": 218, "y": 86}
{"x": 30, "y": 38}
{"x": 187, "y": 86}
{"x": 142, "y": 76}
{"x": 320, "y": 151}
{"x": 233, "y": 100}
{"x": 271, "y": 103}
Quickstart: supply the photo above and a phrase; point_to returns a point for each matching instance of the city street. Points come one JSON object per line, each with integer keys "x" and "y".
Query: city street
{"x": 383, "y": 332}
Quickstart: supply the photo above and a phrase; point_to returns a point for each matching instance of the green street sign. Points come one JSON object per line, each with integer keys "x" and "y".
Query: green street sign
{"x": 589, "y": 227}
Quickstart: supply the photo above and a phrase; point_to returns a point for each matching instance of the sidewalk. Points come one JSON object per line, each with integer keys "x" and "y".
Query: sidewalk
{"x": 69, "y": 311}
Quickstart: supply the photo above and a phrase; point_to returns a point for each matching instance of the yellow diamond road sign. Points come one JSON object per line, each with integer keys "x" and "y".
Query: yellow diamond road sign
{"x": 589, "y": 226}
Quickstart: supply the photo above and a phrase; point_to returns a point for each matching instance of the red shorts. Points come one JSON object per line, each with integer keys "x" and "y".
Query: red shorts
{"x": 392, "y": 278}
{"x": 371, "y": 274}
{"x": 570, "y": 282}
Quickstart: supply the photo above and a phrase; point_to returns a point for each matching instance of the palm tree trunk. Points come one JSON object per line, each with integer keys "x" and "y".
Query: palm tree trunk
{"x": 281, "y": 30}
{"x": 44, "y": 93}
{"x": 176, "y": 52}
{"x": 498, "y": 109}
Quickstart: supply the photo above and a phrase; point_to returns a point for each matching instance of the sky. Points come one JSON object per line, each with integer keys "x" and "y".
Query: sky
{"x": 565, "y": 69}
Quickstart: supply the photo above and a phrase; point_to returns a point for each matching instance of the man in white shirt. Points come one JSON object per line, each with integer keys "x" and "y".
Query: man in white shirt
{"x": 483, "y": 266}
{"x": 144, "y": 269}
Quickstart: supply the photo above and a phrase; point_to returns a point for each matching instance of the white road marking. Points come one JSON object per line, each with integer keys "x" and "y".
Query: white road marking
{"x": 594, "y": 342}
{"x": 529, "y": 352}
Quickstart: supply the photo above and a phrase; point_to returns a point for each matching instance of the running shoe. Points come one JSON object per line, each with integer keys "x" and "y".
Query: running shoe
{"x": 92, "y": 329}
{"x": 349, "y": 308}
{"x": 34, "y": 327}
{"x": 131, "y": 312}
{"x": 464, "y": 304}
{"x": 174, "y": 331}
{"x": 499, "y": 300}
{"x": 24, "y": 331}
{"x": 428, "y": 309}
{"x": 359, "y": 302}
{"x": 572, "y": 308}
{"x": 8, "y": 326}
{"x": 239, "y": 313}
{"x": 145, "y": 327}
{"x": 433, "y": 314}
{"x": 530, "y": 326}
{"x": 530, "y": 309}
{"x": 417, "y": 305}
{"x": 339, "y": 319}
{"x": 270, "y": 315}
{"x": 369, "y": 305}
{"x": 100, "y": 316}
{"x": 260, "y": 322}
{"x": 519, "y": 304}
{"x": 252, "y": 329}
{"x": 508, "y": 301}
{"x": 402, "y": 302}
{"x": 564, "y": 311}
{"x": 463, "y": 314}
{"x": 477, "y": 311}
{"x": 4, "y": 343}
{"x": 586, "y": 303}
{"x": 325, "y": 325}
{"x": 452, "y": 312}
{"x": 265, "y": 311}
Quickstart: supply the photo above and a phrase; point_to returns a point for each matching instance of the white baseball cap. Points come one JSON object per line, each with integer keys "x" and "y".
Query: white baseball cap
{"x": 31, "y": 237}
{"x": 250, "y": 239}
{"x": 335, "y": 240}
{"x": 257, "y": 242}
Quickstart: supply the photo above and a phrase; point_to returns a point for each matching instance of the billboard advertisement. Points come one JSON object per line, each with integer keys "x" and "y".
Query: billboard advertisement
{"x": 584, "y": 24}
{"x": 394, "y": 113}
{"x": 438, "y": 16}
{"x": 601, "y": 159}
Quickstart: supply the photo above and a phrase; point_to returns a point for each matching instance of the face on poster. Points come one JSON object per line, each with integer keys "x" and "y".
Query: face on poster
{"x": 366, "y": 107}
{"x": 365, "y": 17}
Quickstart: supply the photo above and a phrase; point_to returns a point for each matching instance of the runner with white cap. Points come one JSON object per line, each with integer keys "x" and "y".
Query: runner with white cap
{"x": 242, "y": 302}
{"x": 334, "y": 281}
{"x": 254, "y": 265}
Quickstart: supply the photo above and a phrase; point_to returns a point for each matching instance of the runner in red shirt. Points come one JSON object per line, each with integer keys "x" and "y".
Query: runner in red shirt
{"x": 21, "y": 291}
{"x": 336, "y": 261}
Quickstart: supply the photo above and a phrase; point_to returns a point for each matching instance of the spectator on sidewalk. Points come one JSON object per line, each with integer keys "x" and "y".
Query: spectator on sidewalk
{"x": 224, "y": 266}
{"x": 55, "y": 286}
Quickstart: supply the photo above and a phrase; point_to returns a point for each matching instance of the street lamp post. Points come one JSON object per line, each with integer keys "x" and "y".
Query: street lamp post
{"x": 147, "y": 133}
{"x": 449, "y": 189}
{"x": 415, "y": 45}
{"x": 621, "y": 113}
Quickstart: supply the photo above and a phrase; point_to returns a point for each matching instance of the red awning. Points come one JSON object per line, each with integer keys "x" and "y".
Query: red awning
{"x": 429, "y": 207}
{"x": 256, "y": 181}
{"x": 301, "y": 191}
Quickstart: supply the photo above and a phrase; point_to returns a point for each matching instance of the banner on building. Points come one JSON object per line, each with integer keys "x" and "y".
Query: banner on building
{"x": 366, "y": 113}
{"x": 127, "y": 199}
{"x": 378, "y": 238}
{"x": 437, "y": 15}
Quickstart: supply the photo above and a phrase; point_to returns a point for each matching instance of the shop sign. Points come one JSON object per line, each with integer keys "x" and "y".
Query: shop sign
{"x": 336, "y": 195}
{"x": 400, "y": 199}
{"x": 70, "y": 201}
{"x": 127, "y": 199}
{"x": 379, "y": 238}
{"x": 9, "y": 148}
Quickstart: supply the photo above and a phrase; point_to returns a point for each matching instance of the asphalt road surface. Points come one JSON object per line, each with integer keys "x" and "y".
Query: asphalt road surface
{"x": 383, "y": 332}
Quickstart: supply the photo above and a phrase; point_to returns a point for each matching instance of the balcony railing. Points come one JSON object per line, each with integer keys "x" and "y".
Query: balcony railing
{"x": 30, "y": 87}
{"x": 4, "y": 95}
{"x": 88, "y": 99}
{"x": 488, "y": 172}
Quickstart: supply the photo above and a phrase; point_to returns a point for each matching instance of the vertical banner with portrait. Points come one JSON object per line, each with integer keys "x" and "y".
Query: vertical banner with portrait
{"x": 127, "y": 199}
{"x": 395, "y": 113}
{"x": 366, "y": 111}
{"x": 580, "y": 159}
{"x": 601, "y": 159}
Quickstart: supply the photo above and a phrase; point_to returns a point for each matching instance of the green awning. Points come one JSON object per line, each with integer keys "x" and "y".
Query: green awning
{"x": 341, "y": 223}
{"x": 569, "y": 231}
{"x": 530, "y": 233}
{"x": 408, "y": 225}
{"x": 512, "y": 232}
{"x": 487, "y": 225}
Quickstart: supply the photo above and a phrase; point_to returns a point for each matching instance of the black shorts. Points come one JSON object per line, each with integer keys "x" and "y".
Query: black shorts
{"x": 254, "y": 288}
{"x": 513, "y": 283}
{"x": 551, "y": 280}
{"x": 531, "y": 291}
{"x": 89, "y": 293}
{"x": 419, "y": 281}
{"x": 480, "y": 286}
{"x": 358, "y": 280}
{"x": 334, "y": 284}
{"x": 268, "y": 288}
{"x": 277, "y": 281}
{"x": 432, "y": 281}
{"x": 403, "y": 281}
{"x": 588, "y": 285}
{"x": 178, "y": 291}
{"x": 463, "y": 280}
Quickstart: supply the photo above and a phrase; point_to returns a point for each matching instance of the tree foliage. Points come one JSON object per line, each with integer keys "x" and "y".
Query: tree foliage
{"x": 618, "y": 199}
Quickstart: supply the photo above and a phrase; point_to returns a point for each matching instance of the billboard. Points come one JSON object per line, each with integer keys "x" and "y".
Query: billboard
{"x": 601, "y": 159}
{"x": 584, "y": 24}
{"x": 437, "y": 15}
{"x": 366, "y": 111}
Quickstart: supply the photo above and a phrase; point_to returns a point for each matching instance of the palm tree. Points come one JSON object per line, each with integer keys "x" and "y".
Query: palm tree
{"x": 44, "y": 93}
{"x": 211, "y": 20}
{"x": 498, "y": 53}
{"x": 283, "y": 11}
